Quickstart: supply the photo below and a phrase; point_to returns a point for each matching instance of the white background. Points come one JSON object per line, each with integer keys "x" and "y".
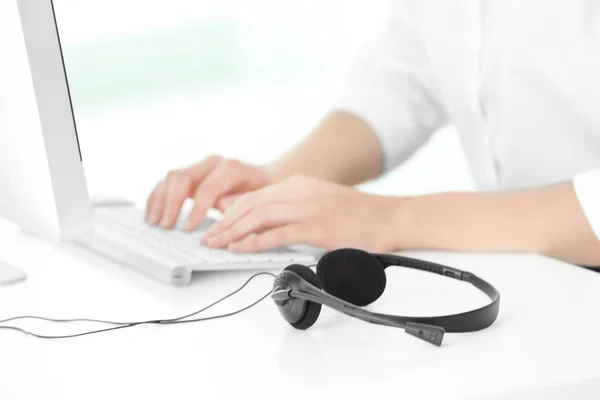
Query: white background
{"x": 267, "y": 71}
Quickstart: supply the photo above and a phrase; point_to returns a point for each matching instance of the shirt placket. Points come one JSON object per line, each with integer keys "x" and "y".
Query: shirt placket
{"x": 474, "y": 42}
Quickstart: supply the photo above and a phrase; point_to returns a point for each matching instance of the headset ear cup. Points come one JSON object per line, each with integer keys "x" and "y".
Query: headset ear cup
{"x": 352, "y": 275}
{"x": 312, "y": 310}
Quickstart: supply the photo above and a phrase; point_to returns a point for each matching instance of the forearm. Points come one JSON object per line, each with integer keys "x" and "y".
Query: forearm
{"x": 546, "y": 220}
{"x": 342, "y": 149}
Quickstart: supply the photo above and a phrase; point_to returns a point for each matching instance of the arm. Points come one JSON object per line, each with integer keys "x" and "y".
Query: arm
{"x": 342, "y": 148}
{"x": 388, "y": 109}
{"x": 547, "y": 220}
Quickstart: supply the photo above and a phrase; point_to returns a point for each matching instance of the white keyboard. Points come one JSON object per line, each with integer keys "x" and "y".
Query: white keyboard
{"x": 172, "y": 255}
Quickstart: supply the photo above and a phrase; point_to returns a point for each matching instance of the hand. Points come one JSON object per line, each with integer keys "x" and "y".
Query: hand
{"x": 214, "y": 182}
{"x": 304, "y": 210}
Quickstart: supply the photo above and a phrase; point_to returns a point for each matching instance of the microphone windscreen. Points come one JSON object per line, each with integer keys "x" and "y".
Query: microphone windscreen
{"x": 311, "y": 310}
{"x": 352, "y": 275}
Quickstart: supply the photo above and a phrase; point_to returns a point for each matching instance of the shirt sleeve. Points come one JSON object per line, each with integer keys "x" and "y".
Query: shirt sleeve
{"x": 392, "y": 89}
{"x": 587, "y": 189}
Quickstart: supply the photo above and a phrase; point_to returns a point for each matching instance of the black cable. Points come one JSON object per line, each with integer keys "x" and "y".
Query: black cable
{"x": 225, "y": 298}
{"x": 122, "y": 325}
{"x": 217, "y": 316}
{"x": 136, "y": 322}
{"x": 15, "y": 328}
{"x": 161, "y": 322}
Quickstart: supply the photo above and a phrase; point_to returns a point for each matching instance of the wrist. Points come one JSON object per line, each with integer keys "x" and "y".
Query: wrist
{"x": 273, "y": 172}
{"x": 396, "y": 221}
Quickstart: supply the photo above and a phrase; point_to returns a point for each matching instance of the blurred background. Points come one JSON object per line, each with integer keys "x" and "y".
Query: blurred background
{"x": 158, "y": 85}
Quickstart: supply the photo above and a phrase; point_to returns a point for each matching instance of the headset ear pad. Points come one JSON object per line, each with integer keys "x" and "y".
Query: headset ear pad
{"x": 352, "y": 275}
{"x": 312, "y": 310}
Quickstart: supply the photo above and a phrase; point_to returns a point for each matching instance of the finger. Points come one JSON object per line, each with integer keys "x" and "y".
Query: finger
{"x": 156, "y": 203}
{"x": 149, "y": 203}
{"x": 201, "y": 170}
{"x": 179, "y": 188}
{"x": 258, "y": 220}
{"x": 195, "y": 174}
{"x": 225, "y": 202}
{"x": 223, "y": 180}
{"x": 271, "y": 194}
{"x": 286, "y": 235}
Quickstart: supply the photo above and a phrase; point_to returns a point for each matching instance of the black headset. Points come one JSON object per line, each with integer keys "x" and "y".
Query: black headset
{"x": 348, "y": 279}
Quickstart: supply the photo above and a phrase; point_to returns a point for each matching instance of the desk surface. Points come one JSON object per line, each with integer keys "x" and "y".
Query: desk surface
{"x": 546, "y": 336}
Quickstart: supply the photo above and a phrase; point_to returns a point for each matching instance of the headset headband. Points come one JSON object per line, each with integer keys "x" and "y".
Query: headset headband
{"x": 299, "y": 282}
{"x": 469, "y": 321}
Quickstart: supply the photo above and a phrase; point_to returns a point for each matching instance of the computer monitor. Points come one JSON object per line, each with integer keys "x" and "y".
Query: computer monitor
{"x": 42, "y": 181}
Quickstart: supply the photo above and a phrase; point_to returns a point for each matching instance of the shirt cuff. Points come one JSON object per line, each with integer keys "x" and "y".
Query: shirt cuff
{"x": 401, "y": 126}
{"x": 587, "y": 189}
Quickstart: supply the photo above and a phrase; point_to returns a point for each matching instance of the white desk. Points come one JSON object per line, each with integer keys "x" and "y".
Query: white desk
{"x": 546, "y": 337}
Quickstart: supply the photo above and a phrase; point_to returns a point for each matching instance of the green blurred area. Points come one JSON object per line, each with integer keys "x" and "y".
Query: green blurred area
{"x": 204, "y": 55}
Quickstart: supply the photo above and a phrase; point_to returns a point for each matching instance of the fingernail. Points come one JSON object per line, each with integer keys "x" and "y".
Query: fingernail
{"x": 164, "y": 223}
{"x": 234, "y": 247}
{"x": 212, "y": 230}
{"x": 188, "y": 226}
{"x": 214, "y": 242}
{"x": 154, "y": 218}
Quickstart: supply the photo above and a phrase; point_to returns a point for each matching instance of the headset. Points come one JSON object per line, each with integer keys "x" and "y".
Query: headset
{"x": 348, "y": 279}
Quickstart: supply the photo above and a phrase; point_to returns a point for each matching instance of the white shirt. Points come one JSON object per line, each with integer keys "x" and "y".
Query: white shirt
{"x": 520, "y": 79}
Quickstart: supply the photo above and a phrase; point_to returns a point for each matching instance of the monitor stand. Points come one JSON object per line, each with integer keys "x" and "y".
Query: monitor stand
{"x": 10, "y": 274}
